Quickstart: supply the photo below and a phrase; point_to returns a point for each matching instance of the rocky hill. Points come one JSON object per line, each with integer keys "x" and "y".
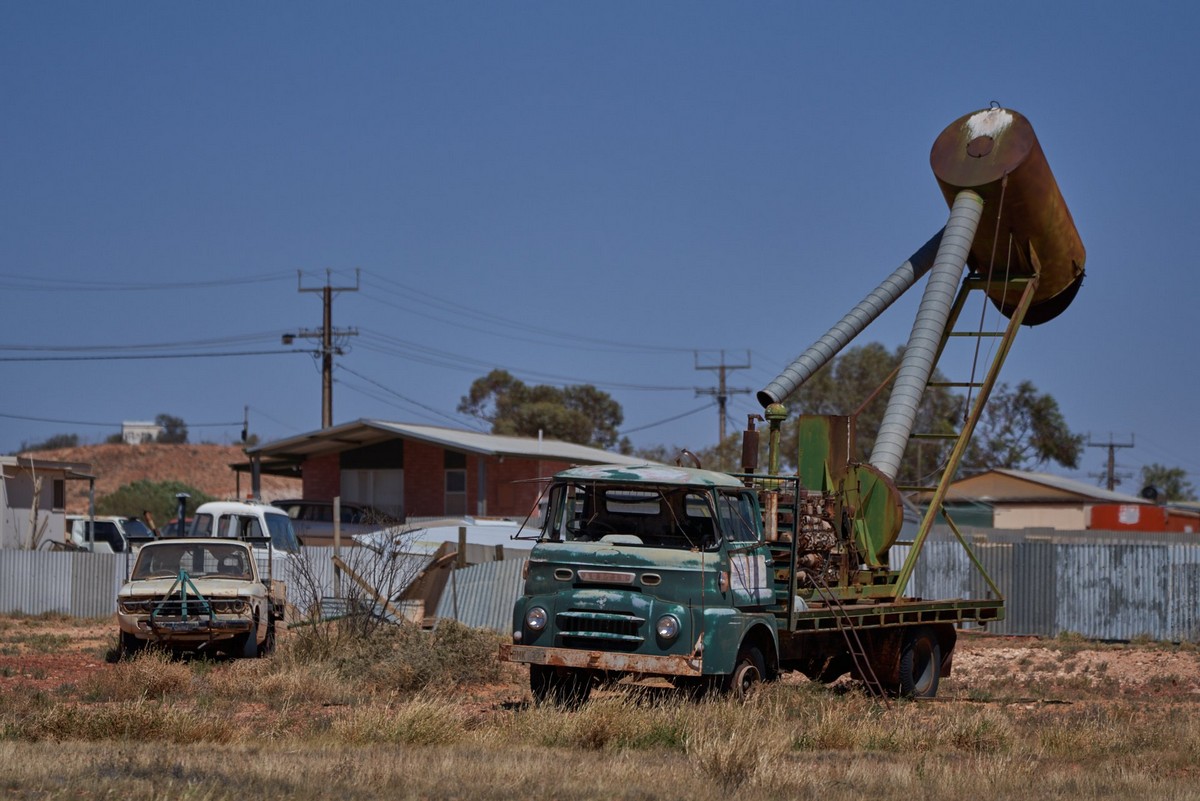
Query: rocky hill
{"x": 205, "y": 467}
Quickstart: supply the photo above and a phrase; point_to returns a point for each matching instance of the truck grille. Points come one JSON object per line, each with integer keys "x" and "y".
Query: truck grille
{"x": 606, "y": 631}
{"x": 173, "y": 607}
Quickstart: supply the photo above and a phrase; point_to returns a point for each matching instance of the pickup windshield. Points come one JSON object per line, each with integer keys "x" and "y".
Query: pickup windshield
{"x": 212, "y": 560}
{"x": 652, "y": 516}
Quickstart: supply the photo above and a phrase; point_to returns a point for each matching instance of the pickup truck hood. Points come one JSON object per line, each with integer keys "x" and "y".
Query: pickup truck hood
{"x": 209, "y": 588}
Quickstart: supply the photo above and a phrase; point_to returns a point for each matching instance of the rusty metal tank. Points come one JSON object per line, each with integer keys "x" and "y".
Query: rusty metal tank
{"x": 995, "y": 153}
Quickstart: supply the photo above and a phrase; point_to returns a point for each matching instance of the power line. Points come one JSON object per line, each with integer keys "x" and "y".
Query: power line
{"x": 28, "y": 284}
{"x": 454, "y": 361}
{"x": 390, "y": 391}
{"x": 267, "y": 336}
{"x": 325, "y": 336}
{"x": 721, "y": 391}
{"x": 507, "y": 324}
{"x": 146, "y": 356}
{"x": 1113, "y": 478}
{"x": 667, "y": 420}
{"x": 107, "y": 425}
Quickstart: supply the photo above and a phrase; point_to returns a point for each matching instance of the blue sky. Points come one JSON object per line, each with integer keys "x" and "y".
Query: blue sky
{"x": 575, "y": 192}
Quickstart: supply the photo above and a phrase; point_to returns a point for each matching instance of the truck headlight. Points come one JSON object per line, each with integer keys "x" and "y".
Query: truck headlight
{"x": 536, "y": 618}
{"x": 667, "y": 627}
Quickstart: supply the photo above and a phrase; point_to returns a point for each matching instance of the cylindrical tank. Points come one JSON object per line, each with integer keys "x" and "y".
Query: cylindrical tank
{"x": 977, "y": 152}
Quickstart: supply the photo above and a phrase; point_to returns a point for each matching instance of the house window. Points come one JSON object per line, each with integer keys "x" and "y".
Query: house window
{"x": 456, "y": 492}
{"x": 60, "y": 494}
{"x": 382, "y": 489}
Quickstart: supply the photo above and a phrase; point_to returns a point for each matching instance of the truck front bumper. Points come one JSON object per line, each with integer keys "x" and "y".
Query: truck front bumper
{"x": 191, "y": 631}
{"x": 644, "y": 664}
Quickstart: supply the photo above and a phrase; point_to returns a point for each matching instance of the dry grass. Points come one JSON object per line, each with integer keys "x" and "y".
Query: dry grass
{"x": 414, "y": 716}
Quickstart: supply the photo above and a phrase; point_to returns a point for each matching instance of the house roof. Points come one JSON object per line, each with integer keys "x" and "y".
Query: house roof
{"x": 73, "y": 470}
{"x": 1002, "y": 485}
{"x": 361, "y": 433}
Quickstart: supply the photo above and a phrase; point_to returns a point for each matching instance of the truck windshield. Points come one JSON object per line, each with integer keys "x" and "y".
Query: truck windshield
{"x": 283, "y": 536}
{"x": 215, "y": 560}
{"x": 651, "y": 516}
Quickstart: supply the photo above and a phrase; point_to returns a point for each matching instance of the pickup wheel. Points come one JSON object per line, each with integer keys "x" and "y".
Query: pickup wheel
{"x": 920, "y": 663}
{"x": 128, "y": 645}
{"x": 268, "y": 646}
{"x": 559, "y": 686}
{"x": 748, "y": 672}
{"x": 249, "y": 641}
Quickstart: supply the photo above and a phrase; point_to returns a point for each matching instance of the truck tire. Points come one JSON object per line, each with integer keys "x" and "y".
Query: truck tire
{"x": 748, "y": 672}
{"x": 128, "y": 645}
{"x": 920, "y": 663}
{"x": 268, "y": 646}
{"x": 559, "y": 686}
{"x": 249, "y": 643}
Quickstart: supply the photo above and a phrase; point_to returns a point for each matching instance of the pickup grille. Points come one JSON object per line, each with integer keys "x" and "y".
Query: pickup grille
{"x": 606, "y": 631}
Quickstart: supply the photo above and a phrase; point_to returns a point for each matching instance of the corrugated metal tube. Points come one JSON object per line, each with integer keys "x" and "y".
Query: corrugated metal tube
{"x": 824, "y": 349}
{"x": 927, "y": 330}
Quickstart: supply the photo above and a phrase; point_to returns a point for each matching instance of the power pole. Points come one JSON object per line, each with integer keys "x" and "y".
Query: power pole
{"x": 721, "y": 391}
{"x": 1111, "y": 473}
{"x": 325, "y": 335}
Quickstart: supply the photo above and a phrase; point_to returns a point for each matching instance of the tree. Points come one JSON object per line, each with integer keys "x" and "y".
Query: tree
{"x": 1022, "y": 429}
{"x": 155, "y": 497}
{"x": 579, "y": 413}
{"x": 174, "y": 430}
{"x": 51, "y": 443}
{"x": 1171, "y": 482}
{"x": 848, "y": 383}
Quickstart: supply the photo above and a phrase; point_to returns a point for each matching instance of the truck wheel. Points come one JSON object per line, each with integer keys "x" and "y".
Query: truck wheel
{"x": 748, "y": 672}
{"x": 249, "y": 645}
{"x": 128, "y": 645}
{"x": 559, "y": 686}
{"x": 920, "y": 664}
{"x": 268, "y": 646}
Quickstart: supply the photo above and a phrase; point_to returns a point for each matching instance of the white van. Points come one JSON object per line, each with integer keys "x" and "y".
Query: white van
{"x": 109, "y": 534}
{"x": 245, "y": 520}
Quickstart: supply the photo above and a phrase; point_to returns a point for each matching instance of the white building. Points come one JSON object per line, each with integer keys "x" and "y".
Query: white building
{"x": 33, "y": 499}
{"x": 135, "y": 432}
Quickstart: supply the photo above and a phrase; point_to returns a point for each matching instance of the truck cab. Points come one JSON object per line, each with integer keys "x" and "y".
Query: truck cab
{"x": 647, "y": 570}
{"x": 245, "y": 520}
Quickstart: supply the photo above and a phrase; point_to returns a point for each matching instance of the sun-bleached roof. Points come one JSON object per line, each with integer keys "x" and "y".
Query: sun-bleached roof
{"x": 368, "y": 432}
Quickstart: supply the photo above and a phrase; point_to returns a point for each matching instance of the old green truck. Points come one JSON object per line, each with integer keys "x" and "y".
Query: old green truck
{"x": 721, "y": 580}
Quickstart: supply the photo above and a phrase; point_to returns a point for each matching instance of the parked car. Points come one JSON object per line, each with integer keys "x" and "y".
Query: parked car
{"x": 313, "y": 520}
{"x": 108, "y": 533}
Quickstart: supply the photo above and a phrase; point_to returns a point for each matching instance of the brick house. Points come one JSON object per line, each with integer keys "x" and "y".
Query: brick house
{"x": 416, "y": 471}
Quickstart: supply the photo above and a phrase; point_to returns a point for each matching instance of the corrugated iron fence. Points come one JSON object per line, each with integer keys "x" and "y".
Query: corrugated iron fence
{"x": 1109, "y": 590}
{"x": 1117, "y": 590}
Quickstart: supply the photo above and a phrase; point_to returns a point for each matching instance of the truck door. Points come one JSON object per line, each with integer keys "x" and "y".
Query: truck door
{"x": 750, "y": 579}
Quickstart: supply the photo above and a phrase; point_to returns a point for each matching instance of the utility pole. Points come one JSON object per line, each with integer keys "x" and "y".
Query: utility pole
{"x": 1111, "y": 472}
{"x": 721, "y": 391}
{"x": 325, "y": 335}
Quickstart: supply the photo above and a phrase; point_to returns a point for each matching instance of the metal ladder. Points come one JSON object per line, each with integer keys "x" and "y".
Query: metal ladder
{"x": 858, "y": 654}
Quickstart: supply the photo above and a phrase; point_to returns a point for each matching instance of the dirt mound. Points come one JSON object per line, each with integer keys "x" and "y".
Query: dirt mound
{"x": 205, "y": 467}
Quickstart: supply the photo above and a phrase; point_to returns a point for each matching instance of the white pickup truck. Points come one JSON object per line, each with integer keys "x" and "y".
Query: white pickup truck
{"x": 200, "y": 594}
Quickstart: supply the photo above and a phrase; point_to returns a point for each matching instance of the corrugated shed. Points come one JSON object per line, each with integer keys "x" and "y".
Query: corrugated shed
{"x": 95, "y": 579}
{"x": 1031, "y": 596}
{"x": 1183, "y": 613}
{"x": 1113, "y": 592}
{"x": 34, "y": 582}
{"x": 483, "y": 596}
